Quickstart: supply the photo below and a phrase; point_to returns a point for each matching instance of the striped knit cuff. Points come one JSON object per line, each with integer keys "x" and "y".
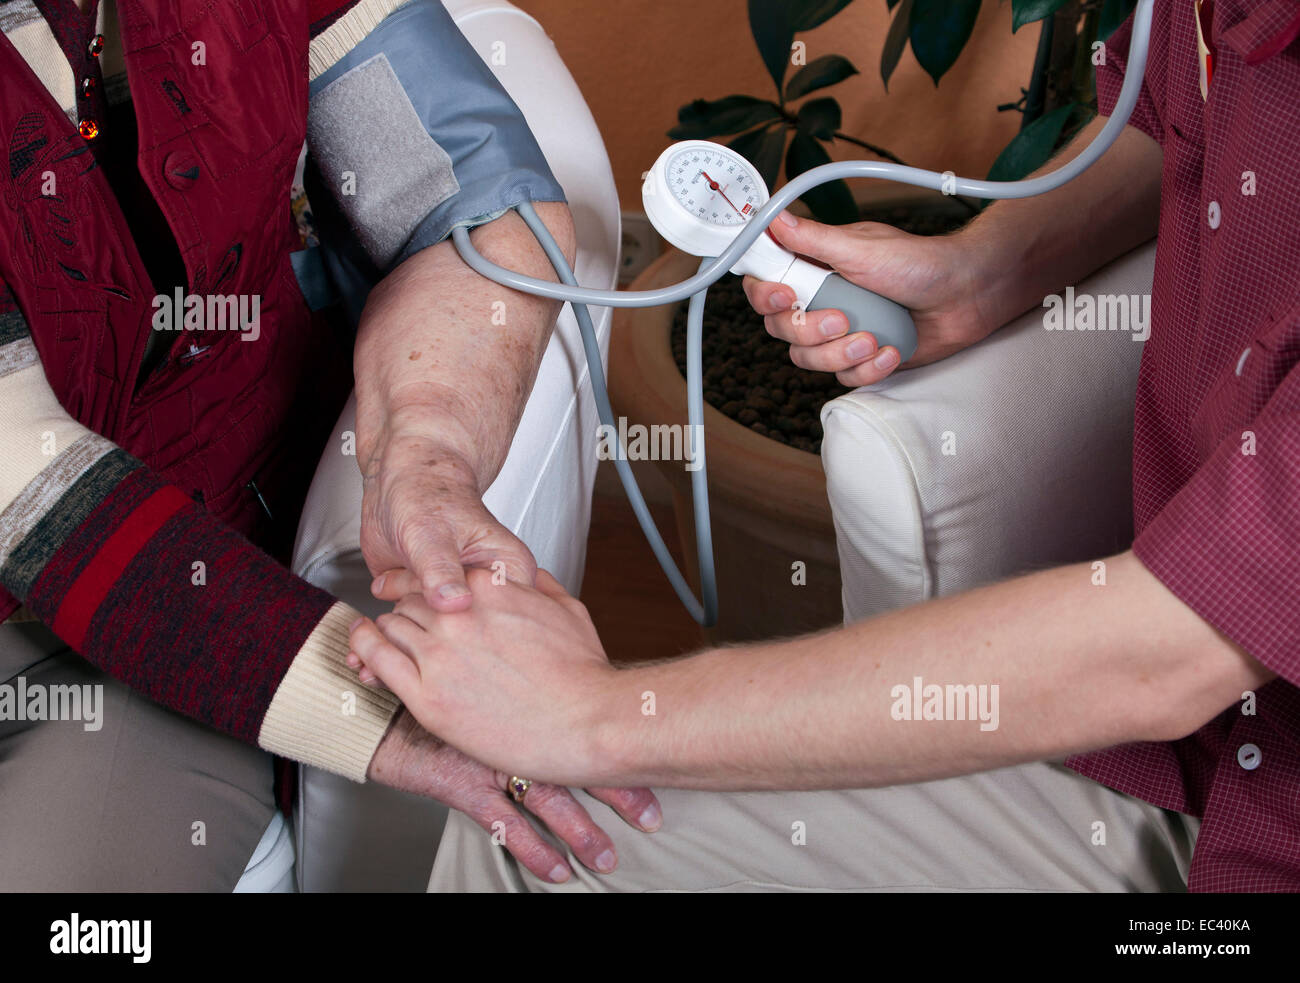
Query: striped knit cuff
{"x": 328, "y": 47}
{"x": 321, "y": 714}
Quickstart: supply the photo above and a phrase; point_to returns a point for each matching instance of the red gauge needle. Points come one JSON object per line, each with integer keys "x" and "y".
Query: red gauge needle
{"x": 713, "y": 186}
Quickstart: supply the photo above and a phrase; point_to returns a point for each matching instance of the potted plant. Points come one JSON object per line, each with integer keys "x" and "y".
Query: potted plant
{"x": 778, "y": 571}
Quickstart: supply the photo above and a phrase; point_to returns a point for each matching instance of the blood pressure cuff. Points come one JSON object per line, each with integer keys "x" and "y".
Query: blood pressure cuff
{"x": 410, "y": 136}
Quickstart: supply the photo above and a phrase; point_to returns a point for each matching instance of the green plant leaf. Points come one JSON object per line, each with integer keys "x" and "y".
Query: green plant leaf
{"x": 832, "y": 203}
{"x": 895, "y": 41}
{"x": 818, "y": 74}
{"x": 702, "y": 119}
{"x": 1032, "y": 147}
{"x": 1027, "y": 11}
{"x": 762, "y": 148}
{"x": 820, "y": 118}
{"x": 1113, "y": 14}
{"x": 807, "y": 14}
{"x": 939, "y": 29}
{"x": 769, "y": 21}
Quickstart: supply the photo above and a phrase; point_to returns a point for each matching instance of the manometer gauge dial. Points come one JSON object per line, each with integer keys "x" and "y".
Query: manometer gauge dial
{"x": 714, "y": 185}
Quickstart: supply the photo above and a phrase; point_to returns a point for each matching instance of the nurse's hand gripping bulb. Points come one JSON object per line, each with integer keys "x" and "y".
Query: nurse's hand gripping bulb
{"x": 699, "y": 194}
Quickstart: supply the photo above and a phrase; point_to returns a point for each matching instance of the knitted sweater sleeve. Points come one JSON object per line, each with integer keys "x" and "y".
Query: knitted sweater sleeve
{"x": 152, "y": 589}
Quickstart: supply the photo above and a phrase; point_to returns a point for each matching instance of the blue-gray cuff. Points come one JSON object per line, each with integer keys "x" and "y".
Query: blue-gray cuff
{"x": 401, "y": 190}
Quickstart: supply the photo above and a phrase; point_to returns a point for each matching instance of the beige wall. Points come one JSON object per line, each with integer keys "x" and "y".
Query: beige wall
{"x": 637, "y": 61}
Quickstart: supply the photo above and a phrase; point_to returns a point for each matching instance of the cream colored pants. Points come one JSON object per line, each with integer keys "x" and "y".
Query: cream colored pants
{"x": 1037, "y": 827}
{"x": 115, "y": 808}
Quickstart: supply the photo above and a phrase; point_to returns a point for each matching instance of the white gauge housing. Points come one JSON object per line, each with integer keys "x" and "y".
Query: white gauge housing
{"x": 700, "y": 194}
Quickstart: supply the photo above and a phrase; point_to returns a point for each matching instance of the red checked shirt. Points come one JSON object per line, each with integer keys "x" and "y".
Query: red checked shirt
{"x": 1216, "y": 458}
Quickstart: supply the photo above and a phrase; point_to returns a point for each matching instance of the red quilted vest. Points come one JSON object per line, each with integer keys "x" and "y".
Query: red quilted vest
{"x": 218, "y": 147}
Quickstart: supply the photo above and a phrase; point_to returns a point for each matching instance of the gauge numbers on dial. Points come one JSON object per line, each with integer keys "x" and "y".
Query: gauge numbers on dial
{"x": 713, "y": 186}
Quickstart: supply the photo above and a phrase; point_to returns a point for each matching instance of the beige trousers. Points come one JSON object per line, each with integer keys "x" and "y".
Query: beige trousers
{"x": 1036, "y": 827}
{"x": 142, "y": 799}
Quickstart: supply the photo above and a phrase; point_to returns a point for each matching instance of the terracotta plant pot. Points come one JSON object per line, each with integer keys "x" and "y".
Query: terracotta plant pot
{"x": 767, "y": 500}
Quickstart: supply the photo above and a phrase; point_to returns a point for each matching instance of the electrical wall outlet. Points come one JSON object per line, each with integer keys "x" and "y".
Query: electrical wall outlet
{"x": 641, "y": 246}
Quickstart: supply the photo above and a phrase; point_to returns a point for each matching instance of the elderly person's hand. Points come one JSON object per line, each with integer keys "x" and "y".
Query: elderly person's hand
{"x": 411, "y": 759}
{"x": 511, "y": 681}
{"x": 423, "y": 522}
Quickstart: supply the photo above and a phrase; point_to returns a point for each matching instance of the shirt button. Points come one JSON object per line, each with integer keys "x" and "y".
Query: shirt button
{"x": 88, "y": 86}
{"x": 1215, "y": 215}
{"x": 88, "y": 128}
{"x": 1249, "y": 757}
{"x": 96, "y": 46}
{"x": 181, "y": 169}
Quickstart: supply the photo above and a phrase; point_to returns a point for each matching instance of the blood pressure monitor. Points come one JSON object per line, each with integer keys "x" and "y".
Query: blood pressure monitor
{"x": 699, "y": 194}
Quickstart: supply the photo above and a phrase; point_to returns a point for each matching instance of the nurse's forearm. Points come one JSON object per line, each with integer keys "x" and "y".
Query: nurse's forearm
{"x": 1076, "y": 666}
{"x": 446, "y": 355}
{"x": 1027, "y": 248}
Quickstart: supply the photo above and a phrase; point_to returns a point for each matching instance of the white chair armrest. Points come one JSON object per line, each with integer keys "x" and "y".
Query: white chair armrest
{"x": 1010, "y": 456}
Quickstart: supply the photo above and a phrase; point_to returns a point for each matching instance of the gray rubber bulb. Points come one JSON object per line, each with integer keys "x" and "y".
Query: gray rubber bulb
{"x": 890, "y": 323}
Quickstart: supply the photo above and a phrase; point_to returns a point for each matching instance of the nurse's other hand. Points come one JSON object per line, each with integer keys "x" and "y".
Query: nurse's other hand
{"x": 517, "y": 681}
{"x": 932, "y": 276}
